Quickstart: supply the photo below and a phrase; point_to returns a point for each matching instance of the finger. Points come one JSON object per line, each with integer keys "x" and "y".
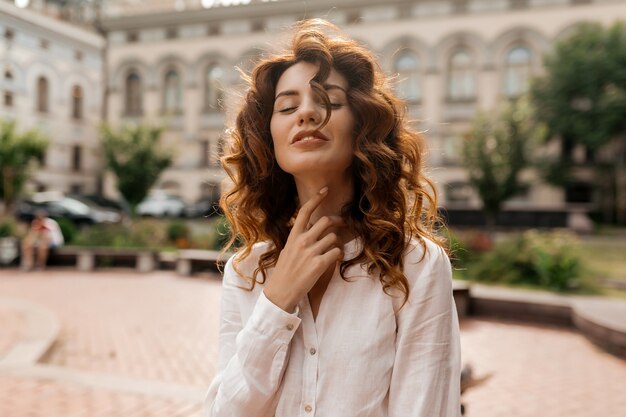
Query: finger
{"x": 323, "y": 224}
{"x": 307, "y": 209}
{"x": 326, "y": 243}
{"x": 332, "y": 256}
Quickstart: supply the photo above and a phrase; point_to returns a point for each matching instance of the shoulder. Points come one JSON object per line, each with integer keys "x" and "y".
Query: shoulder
{"x": 239, "y": 270}
{"x": 424, "y": 250}
{"x": 425, "y": 262}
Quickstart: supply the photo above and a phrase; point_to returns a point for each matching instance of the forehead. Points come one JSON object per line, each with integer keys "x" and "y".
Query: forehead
{"x": 298, "y": 76}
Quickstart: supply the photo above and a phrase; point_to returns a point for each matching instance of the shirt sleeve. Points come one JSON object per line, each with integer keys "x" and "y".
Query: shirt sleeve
{"x": 252, "y": 356}
{"x": 426, "y": 375}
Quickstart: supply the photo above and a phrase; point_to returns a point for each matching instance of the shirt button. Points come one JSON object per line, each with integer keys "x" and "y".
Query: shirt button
{"x": 312, "y": 351}
{"x": 308, "y": 408}
{"x": 290, "y": 327}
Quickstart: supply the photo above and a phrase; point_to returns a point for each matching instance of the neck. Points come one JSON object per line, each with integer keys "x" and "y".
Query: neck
{"x": 340, "y": 192}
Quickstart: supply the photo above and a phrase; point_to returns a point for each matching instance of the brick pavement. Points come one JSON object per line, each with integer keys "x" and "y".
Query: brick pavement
{"x": 145, "y": 345}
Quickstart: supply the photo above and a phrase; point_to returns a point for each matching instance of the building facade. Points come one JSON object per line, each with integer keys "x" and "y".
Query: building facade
{"x": 175, "y": 62}
{"x": 52, "y": 80}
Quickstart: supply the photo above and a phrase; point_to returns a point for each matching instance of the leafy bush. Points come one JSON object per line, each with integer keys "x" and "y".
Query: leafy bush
{"x": 547, "y": 260}
{"x": 7, "y": 228}
{"x": 177, "y": 229}
{"x": 146, "y": 233}
{"x": 223, "y": 232}
{"x": 68, "y": 230}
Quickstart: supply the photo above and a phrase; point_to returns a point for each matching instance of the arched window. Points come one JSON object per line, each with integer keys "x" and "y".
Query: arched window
{"x": 133, "y": 99}
{"x": 77, "y": 102}
{"x": 172, "y": 93}
{"x": 517, "y": 71}
{"x": 42, "y": 95}
{"x": 406, "y": 66}
{"x": 213, "y": 93}
{"x": 461, "y": 75}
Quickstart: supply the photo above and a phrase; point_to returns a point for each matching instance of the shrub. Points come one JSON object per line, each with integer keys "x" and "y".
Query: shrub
{"x": 176, "y": 230}
{"x": 223, "y": 232}
{"x": 7, "y": 228}
{"x": 546, "y": 260}
{"x": 148, "y": 233}
{"x": 68, "y": 229}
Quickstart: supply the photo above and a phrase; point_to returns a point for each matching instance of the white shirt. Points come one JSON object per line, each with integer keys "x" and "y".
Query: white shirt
{"x": 363, "y": 356}
{"x": 56, "y": 236}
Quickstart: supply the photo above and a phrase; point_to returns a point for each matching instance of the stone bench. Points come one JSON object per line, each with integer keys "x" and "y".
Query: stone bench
{"x": 144, "y": 260}
{"x": 192, "y": 260}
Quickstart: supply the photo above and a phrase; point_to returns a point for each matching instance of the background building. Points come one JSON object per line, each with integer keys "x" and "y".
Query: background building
{"x": 52, "y": 79}
{"x": 175, "y": 62}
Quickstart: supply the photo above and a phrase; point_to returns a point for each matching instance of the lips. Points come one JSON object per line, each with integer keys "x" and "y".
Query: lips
{"x": 308, "y": 135}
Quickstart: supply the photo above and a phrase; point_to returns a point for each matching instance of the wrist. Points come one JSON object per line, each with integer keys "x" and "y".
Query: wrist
{"x": 280, "y": 300}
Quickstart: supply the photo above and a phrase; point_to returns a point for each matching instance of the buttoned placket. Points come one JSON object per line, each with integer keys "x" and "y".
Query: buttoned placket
{"x": 310, "y": 371}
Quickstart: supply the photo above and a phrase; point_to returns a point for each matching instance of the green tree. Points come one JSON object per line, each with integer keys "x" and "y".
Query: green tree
{"x": 582, "y": 99}
{"x": 134, "y": 155}
{"x": 496, "y": 151}
{"x": 17, "y": 153}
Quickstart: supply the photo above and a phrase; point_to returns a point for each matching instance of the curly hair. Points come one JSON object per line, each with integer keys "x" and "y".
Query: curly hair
{"x": 393, "y": 200}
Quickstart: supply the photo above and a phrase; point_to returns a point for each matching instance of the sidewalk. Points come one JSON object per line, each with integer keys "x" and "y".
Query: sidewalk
{"x": 131, "y": 344}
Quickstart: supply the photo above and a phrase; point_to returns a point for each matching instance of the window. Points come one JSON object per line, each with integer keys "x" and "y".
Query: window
{"x": 258, "y": 26}
{"x": 205, "y": 150}
{"x": 42, "y": 94}
{"x": 133, "y": 99}
{"x": 221, "y": 144}
{"x": 76, "y": 158}
{"x": 213, "y": 30}
{"x": 407, "y": 67}
{"x": 213, "y": 93}
{"x": 517, "y": 71}
{"x": 76, "y": 189}
{"x": 172, "y": 93}
{"x": 8, "y": 99}
{"x": 132, "y": 37}
{"x": 458, "y": 193}
{"x": 8, "y": 75}
{"x": 9, "y": 34}
{"x": 171, "y": 33}
{"x": 461, "y": 76}
{"x": 353, "y": 17}
{"x": 77, "y": 102}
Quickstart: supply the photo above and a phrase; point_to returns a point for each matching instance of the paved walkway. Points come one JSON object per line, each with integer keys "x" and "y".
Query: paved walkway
{"x": 145, "y": 345}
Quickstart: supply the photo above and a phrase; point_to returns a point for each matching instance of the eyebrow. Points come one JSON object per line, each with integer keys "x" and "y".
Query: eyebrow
{"x": 327, "y": 87}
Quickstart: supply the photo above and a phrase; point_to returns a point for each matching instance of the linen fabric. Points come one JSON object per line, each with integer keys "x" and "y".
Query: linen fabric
{"x": 363, "y": 356}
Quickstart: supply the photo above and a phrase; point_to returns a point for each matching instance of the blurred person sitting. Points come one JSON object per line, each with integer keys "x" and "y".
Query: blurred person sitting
{"x": 44, "y": 235}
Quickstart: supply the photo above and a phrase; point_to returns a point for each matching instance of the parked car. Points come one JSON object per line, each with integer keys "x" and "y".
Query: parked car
{"x": 204, "y": 207}
{"x": 59, "y": 206}
{"x": 161, "y": 205}
{"x": 94, "y": 200}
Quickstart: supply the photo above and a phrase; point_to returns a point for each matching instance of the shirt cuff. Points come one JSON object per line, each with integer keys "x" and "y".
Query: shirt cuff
{"x": 268, "y": 318}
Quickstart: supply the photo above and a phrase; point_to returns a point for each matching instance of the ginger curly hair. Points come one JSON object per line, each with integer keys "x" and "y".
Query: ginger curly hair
{"x": 393, "y": 199}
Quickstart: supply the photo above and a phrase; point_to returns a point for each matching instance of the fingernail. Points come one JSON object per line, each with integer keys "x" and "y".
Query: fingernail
{"x": 324, "y": 190}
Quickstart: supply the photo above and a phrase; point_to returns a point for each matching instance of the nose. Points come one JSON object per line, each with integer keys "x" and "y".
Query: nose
{"x": 309, "y": 112}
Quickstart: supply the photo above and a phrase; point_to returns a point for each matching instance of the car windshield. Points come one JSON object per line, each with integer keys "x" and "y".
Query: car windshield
{"x": 73, "y": 206}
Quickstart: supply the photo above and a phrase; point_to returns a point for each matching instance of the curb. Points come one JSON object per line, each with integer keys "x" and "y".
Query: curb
{"x": 41, "y": 330}
{"x": 600, "y": 320}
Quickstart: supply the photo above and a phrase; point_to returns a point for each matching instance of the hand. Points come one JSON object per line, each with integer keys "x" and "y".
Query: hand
{"x": 305, "y": 257}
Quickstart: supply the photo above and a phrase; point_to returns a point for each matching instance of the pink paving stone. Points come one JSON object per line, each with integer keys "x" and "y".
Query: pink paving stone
{"x": 11, "y": 323}
{"x": 164, "y": 328}
{"x": 75, "y": 400}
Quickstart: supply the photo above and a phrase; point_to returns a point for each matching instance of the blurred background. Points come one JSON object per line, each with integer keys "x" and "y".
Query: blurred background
{"x": 113, "y": 118}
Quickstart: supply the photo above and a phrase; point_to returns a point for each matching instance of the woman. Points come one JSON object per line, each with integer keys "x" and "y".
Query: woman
{"x": 339, "y": 302}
